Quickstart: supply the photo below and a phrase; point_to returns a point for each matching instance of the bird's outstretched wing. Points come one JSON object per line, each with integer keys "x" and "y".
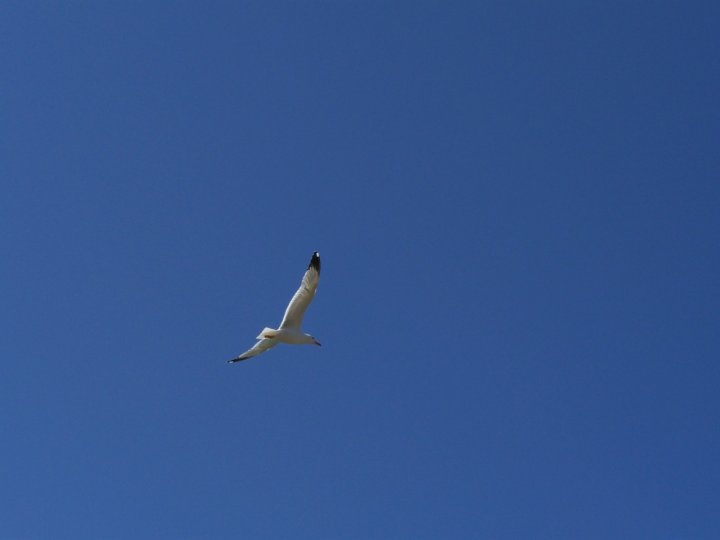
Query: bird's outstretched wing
{"x": 259, "y": 348}
{"x": 304, "y": 295}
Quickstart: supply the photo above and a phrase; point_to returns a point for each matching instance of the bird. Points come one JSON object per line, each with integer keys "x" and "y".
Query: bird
{"x": 289, "y": 330}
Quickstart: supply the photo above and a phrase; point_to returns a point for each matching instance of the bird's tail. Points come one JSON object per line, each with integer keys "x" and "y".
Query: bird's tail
{"x": 267, "y": 333}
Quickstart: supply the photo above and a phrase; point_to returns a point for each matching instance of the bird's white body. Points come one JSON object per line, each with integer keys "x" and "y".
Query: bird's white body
{"x": 289, "y": 331}
{"x": 291, "y": 336}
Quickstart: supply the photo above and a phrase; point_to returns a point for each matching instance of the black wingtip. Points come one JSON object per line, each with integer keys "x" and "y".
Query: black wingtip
{"x": 315, "y": 262}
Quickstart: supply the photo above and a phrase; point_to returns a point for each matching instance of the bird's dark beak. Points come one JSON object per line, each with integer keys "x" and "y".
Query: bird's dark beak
{"x": 318, "y": 343}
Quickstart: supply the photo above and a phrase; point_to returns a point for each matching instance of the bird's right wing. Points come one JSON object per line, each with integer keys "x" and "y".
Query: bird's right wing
{"x": 304, "y": 295}
{"x": 259, "y": 348}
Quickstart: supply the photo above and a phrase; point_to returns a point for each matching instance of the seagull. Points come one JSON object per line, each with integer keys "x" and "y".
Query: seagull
{"x": 289, "y": 331}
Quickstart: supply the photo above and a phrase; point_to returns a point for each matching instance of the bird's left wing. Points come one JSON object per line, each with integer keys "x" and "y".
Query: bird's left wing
{"x": 304, "y": 295}
{"x": 259, "y": 348}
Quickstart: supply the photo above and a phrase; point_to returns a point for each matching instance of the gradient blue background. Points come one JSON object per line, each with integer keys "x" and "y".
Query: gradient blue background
{"x": 516, "y": 204}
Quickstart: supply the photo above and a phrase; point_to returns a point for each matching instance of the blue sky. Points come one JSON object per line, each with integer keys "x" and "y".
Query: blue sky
{"x": 516, "y": 205}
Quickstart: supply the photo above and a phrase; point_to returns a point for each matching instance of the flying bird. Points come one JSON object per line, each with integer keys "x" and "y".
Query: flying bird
{"x": 289, "y": 331}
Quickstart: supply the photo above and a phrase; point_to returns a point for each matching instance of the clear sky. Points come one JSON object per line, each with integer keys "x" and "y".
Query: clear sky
{"x": 517, "y": 208}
